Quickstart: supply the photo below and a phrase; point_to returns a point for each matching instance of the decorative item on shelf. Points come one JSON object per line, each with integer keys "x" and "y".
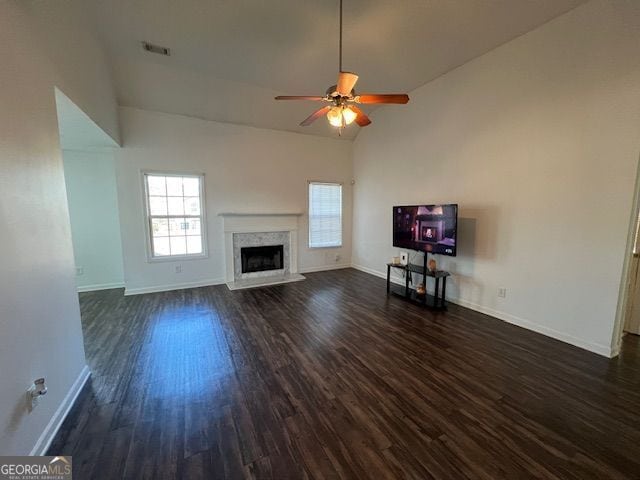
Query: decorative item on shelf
{"x": 404, "y": 258}
{"x": 395, "y": 260}
{"x": 421, "y": 289}
{"x": 432, "y": 266}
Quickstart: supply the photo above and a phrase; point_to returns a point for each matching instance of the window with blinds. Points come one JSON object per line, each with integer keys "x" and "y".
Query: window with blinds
{"x": 175, "y": 216}
{"x": 325, "y": 215}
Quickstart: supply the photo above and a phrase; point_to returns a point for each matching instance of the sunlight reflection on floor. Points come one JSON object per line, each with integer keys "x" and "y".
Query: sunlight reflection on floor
{"x": 186, "y": 353}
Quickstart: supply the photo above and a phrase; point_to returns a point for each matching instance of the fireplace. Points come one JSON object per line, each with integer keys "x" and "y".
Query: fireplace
{"x": 260, "y": 249}
{"x": 262, "y": 258}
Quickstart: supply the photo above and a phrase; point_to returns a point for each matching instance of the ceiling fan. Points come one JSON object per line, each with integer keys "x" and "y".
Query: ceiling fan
{"x": 341, "y": 97}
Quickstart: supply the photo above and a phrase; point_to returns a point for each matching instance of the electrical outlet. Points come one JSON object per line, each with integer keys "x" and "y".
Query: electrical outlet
{"x": 79, "y": 271}
{"x": 337, "y": 257}
{"x": 502, "y": 292}
{"x": 178, "y": 268}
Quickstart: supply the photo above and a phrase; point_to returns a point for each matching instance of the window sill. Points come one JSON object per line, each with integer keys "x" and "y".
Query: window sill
{"x": 176, "y": 258}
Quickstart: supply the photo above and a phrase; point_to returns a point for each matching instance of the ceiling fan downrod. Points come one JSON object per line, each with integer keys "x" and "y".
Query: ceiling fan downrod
{"x": 340, "y": 42}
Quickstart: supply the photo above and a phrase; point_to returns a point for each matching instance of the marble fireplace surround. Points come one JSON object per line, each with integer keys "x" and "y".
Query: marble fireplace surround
{"x": 258, "y": 229}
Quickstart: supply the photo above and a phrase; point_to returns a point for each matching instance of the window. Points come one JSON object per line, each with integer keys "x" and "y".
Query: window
{"x": 175, "y": 217}
{"x": 325, "y": 215}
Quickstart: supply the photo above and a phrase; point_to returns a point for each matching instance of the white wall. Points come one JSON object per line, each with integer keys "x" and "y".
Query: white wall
{"x": 95, "y": 227}
{"x": 538, "y": 143}
{"x": 40, "y": 332}
{"x": 246, "y": 170}
{"x": 79, "y": 65}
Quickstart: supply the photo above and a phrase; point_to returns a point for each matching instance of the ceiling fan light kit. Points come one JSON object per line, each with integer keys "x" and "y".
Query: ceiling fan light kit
{"x": 342, "y": 96}
{"x": 341, "y": 116}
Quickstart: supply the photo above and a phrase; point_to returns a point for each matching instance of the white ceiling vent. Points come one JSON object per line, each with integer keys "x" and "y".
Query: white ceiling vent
{"x": 150, "y": 47}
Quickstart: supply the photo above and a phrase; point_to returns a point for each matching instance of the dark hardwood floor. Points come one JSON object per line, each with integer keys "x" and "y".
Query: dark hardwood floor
{"x": 329, "y": 378}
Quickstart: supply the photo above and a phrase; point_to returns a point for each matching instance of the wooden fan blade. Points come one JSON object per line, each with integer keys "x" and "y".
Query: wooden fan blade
{"x": 314, "y": 116}
{"x": 401, "y": 98}
{"x": 346, "y": 82}
{"x": 361, "y": 118}
{"x": 299, "y": 97}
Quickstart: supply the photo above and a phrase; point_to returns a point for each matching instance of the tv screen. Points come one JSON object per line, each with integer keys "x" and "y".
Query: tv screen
{"x": 427, "y": 228}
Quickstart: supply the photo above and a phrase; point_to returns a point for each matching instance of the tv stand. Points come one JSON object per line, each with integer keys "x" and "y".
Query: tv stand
{"x": 436, "y": 301}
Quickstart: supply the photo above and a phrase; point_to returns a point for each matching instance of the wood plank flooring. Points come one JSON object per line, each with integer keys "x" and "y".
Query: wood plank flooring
{"x": 330, "y": 378}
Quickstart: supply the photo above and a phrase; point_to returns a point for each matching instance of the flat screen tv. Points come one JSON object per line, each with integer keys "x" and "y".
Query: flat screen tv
{"x": 426, "y": 228}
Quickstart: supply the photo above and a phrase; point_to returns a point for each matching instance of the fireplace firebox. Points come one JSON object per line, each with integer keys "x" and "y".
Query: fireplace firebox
{"x": 260, "y": 259}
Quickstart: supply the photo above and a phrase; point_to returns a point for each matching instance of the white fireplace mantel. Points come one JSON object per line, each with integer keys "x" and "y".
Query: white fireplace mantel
{"x": 238, "y": 222}
{"x": 260, "y": 222}
{"x": 245, "y": 214}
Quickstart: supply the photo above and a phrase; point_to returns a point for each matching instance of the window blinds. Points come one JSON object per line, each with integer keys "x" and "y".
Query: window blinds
{"x": 325, "y": 215}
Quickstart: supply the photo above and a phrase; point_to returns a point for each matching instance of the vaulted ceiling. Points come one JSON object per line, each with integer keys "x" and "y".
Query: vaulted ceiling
{"x": 229, "y": 58}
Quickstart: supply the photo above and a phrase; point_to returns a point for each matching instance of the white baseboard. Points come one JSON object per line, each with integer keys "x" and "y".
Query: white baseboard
{"x": 50, "y": 431}
{"x": 615, "y": 350}
{"x": 215, "y": 281}
{"x": 370, "y": 271}
{"x": 175, "y": 286}
{"x": 603, "y": 350}
{"x": 322, "y": 268}
{"x": 100, "y": 286}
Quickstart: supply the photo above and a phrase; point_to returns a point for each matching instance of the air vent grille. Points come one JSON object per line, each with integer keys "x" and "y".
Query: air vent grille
{"x": 150, "y": 47}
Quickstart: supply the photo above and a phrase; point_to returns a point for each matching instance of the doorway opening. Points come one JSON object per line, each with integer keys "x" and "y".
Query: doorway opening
{"x": 627, "y": 320}
{"x": 90, "y": 179}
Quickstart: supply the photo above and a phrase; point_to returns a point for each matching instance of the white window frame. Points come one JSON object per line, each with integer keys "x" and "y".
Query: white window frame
{"x": 148, "y": 217}
{"x": 317, "y": 182}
